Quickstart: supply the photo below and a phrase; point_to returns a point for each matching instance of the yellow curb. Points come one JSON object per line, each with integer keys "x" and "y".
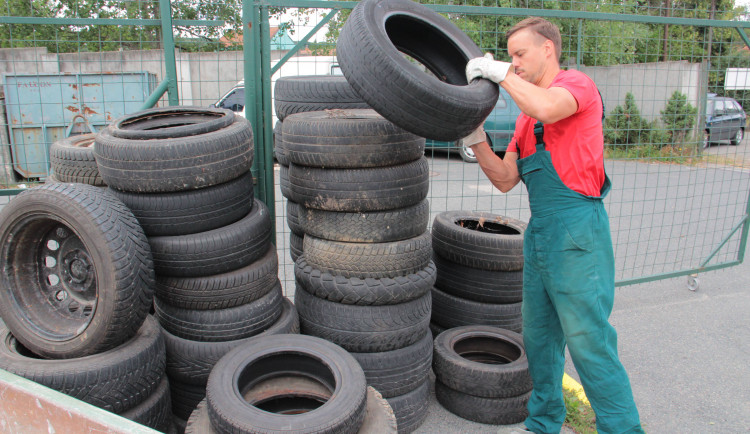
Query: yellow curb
{"x": 572, "y": 385}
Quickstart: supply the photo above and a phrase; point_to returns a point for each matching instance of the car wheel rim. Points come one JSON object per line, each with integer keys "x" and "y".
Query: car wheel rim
{"x": 468, "y": 151}
{"x": 738, "y": 137}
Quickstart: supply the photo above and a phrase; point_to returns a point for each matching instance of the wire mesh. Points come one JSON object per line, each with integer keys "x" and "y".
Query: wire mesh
{"x": 675, "y": 200}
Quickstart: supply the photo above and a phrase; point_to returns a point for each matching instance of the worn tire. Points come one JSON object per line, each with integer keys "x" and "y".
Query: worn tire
{"x": 171, "y": 122}
{"x": 156, "y": 411}
{"x": 185, "y": 397}
{"x": 351, "y": 139}
{"x": 216, "y": 251}
{"x": 482, "y": 361}
{"x": 450, "y": 311}
{"x": 175, "y": 164}
{"x": 101, "y": 262}
{"x": 292, "y": 218}
{"x": 279, "y": 151}
{"x": 484, "y": 286}
{"x": 479, "y": 240}
{"x": 305, "y": 356}
{"x": 116, "y": 380}
{"x": 368, "y": 291}
{"x": 192, "y": 211}
{"x": 360, "y": 190}
{"x": 495, "y": 411}
{"x": 400, "y": 371}
{"x": 369, "y": 260}
{"x": 284, "y": 186}
{"x": 221, "y": 324}
{"x": 190, "y": 361}
{"x": 441, "y": 106}
{"x": 296, "y": 245}
{"x": 363, "y": 329}
{"x": 411, "y": 408}
{"x": 72, "y": 160}
{"x": 366, "y": 227}
{"x": 309, "y": 93}
{"x": 221, "y": 291}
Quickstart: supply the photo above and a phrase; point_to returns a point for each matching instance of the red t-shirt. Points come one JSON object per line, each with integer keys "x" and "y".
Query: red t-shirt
{"x": 576, "y": 143}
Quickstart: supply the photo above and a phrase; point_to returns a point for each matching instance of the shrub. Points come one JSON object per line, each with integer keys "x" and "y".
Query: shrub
{"x": 678, "y": 117}
{"x": 625, "y": 126}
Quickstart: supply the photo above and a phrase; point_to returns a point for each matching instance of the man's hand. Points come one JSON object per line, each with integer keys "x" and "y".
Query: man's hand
{"x": 486, "y": 67}
{"x": 475, "y": 138}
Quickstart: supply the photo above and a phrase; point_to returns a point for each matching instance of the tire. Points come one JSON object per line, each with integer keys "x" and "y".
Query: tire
{"x": 363, "y": 329}
{"x": 279, "y": 150}
{"x": 441, "y": 106}
{"x": 495, "y": 411}
{"x": 216, "y": 251}
{"x": 309, "y": 93}
{"x": 479, "y": 240}
{"x": 185, "y": 398}
{"x": 482, "y": 361}
{"x": 369, "y": 260}
{"x": 436, "y": 329}
{"x": 271, "y": 356}
{"x": 351, "y": 139}
{"x": 199, "y": 423}
{"x": 72, "y": 160}
{"x": 190, "y": 362}
{"x": 365, "y": 292}
{"x": 411, "y": 408}
{"x": 484, "y": 286}
{"x": 367, "y": 227}
{"x": 360, "y": 190}
{"x": 221, "y": 291}
{"x": 292, "y": 218}
{"x": 296, "y": 245}
{"x": 171, "y": 122}
{"x": 450, "y": 311}
{"x": 175, "y": 164}
{"x": 284, "y": 186}
{"x": 77, "y": 272}
{"x": 400, "y": 371}
{"x": 116, "y": 380}
{"x": 156, "y": 411}
{"x": 737, "y": 139}
{"x": 221, "y": 324}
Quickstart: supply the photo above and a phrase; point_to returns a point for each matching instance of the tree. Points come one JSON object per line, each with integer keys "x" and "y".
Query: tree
{"x": 678, "y": 117}
{"x": 625, "y": 126}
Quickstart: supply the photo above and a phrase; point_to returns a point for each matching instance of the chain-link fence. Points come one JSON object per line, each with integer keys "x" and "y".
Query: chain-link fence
{"x": 673, "y": 77}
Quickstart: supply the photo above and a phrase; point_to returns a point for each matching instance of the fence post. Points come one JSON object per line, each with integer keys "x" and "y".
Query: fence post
{"x": 7, "y": 175}
{"x": 170, "y": 66}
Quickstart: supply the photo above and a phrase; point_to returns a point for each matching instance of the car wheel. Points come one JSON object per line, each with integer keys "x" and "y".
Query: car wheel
{"x": 706, "y": 140}
{"x": 737, "y": 139}
{"x": 467, "y": 154}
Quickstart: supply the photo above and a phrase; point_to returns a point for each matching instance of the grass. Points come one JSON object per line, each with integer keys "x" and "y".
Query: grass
{"x": 580, "y": 417}
{"x": 671, "y": 154}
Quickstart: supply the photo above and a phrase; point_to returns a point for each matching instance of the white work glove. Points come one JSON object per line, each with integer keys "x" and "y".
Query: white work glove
{"x": 487, "y": 67}
{"x": 475, "y": 138}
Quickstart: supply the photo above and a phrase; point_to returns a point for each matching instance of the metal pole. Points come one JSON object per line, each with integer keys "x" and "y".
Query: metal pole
{"x": 264, "y": 149}
{"x": 170, "y": 65}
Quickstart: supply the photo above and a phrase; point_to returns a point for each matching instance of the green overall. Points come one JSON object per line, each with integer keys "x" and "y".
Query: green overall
{"x": 568, "y": 293}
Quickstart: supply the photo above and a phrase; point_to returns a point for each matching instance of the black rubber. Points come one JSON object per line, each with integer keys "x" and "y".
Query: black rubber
{"x": 292, "y": 218}
{"x": 221, "y": 291}
{"x": 450, "y": 311}
{"x": 190, "y": 361}
{"x": 271, "y": 356}
{"x": 439, "y": 106}
{"x": 284, "y": 185}
{"x": 221, "y": 324}
{"x": 479, "y": 285}
{"x": 495, "y": 411}
{"x": 171, "y": 122}
{"x": 77, "y": 274}
{"x": 400, "y": 371}
{"x": 296, "y": 245}
{"x": 175, "y": 164}
{"x": 116, "y": 380}
{"x": 366, "y": 227}
{"x": 368, "y": 291}
{"x": 479, "y": 240}
{"x": 72, "y": 160}
{"x": 308, "y": 93}
{"x": 279, "y": 151}
{"x": 483, "y": 361}
{"x": 185, "y": 397}
{"x": 436, "y": 329}
{"x": 191, "y": 211}
{"x": 359, "y": 190}
{"x": 374, "y": 260}
{"x": 345, "y": 139}
{"x": 156, "y": 411}
{"x": 216, "y": 251}
{"x": 363, "y": 329}
{"x": 411, "y": 408}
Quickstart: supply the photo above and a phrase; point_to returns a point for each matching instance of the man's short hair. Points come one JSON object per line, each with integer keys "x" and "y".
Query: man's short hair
{"x": 541, "y": 27}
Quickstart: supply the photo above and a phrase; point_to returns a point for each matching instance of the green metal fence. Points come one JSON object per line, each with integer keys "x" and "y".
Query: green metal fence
{"x": 676, "y": 207}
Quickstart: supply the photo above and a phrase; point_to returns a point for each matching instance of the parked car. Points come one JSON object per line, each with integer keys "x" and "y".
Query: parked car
{"x": 499, "y": 127}
{"x": 725, "y": 120}
{"x": 234, "y": 99}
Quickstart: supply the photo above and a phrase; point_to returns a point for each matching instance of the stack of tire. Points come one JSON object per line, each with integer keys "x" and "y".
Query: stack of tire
{"x": 184, "y": 172}
{"x": 301, "y": 94}
{"x": 365, "y": 273}
{"x": 72, "y": 160}
{"x": 77, "y": 286}
{"x": 479, "y": 260}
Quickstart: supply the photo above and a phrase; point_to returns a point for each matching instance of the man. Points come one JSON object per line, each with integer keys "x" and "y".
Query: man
{"x": 569, "y": 261}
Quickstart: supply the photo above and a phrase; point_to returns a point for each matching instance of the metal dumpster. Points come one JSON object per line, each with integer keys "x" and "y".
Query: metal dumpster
{"x": 43, "y": 108}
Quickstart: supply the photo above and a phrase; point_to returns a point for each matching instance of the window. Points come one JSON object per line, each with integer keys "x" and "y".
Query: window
{"x": 235, "y": 101}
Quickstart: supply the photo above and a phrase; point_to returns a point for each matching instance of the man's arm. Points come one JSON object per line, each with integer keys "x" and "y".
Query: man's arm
{"x": 502, "y": 172}
{"x": 545, "y": 105}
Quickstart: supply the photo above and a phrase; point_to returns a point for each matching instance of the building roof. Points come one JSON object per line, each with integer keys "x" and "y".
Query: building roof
{"x": 280, "y": 40}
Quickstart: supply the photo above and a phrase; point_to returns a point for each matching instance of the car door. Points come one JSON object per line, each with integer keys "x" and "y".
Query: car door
{"x": 719, "y": 123}
{"x": 234, "y": 100}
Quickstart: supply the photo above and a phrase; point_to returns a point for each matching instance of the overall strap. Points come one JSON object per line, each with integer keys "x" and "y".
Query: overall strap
{"x": 539, "y": 134}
